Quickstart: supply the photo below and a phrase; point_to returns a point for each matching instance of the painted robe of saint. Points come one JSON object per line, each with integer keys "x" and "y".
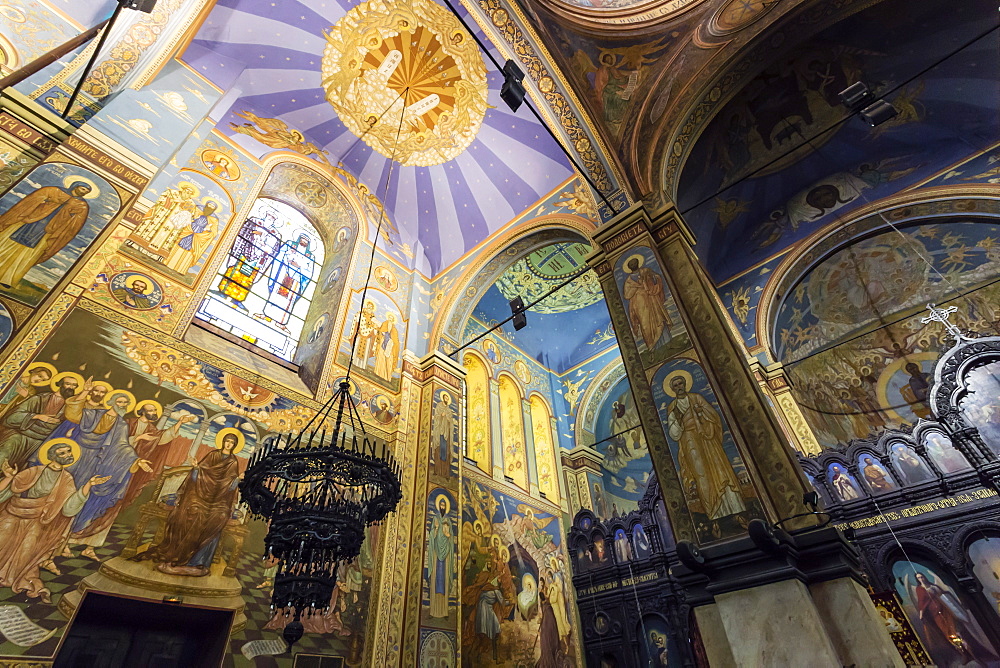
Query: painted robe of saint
{"x": 293, "y": 268}
{"x": 441, "y": 559}
{"x": 37, "y": 506}
{"x": 645, "y": 293}
{"x": 39, "y": 226}
{"x": 191, "y": 246}
{"x": 697, "y": 428}
{"x": 386, "y": 347}
{"x": 443, "y": 424}
{"x": 205, "y": 503}
{"x": 173, "y": 211}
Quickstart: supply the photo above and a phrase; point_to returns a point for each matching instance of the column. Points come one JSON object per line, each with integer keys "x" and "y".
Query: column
{"x": 529, "y": 448}
{"x": 774, "y": 384}
{"x": 430, "y": 516}
{"x": 496, "y": 439}
{"x": 728, "y": 473}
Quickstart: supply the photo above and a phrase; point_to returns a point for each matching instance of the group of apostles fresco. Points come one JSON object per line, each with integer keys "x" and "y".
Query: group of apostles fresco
{"x": 74, "y": 452}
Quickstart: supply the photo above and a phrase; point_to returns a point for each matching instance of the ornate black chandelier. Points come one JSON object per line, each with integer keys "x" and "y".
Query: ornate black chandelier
{"x": 319, "y": 491}
{"x": 322, "y": 487}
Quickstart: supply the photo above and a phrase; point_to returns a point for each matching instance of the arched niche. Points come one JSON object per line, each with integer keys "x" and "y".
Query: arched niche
{"x": 512, "y": 435}
{"x": 845, "y": 315}
{"x": 477, "y": 386}
{"x": 517, "y": 242}
{"x": 335, "y": 214}
{"x": 546, "y": 459}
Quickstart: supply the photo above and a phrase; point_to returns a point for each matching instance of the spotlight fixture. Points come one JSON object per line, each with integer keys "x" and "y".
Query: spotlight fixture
{"x": 517, "y": 309}
{"x": 878, "y": 113}
{"x": 856, "y": 95}
{"x": 145, "y": 6}
{"x": 512, "y": 91}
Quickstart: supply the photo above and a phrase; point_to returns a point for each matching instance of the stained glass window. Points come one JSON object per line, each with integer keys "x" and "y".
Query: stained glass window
{"x": 262, "y": 291}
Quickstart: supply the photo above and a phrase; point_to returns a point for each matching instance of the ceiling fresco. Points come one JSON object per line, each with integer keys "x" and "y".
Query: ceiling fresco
{"x": 781, "y": 159}
{"x": 568, "y": 327}
{"x": 470, "y": 165}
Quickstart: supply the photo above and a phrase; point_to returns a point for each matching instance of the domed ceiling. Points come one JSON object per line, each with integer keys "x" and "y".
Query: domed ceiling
{"x": 566, "y": 328}
{"x": 339, "y": 74}
{"x": 783, "y": 157}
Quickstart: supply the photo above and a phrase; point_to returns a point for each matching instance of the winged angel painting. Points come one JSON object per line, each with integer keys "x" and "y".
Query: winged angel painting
{"x": 276, "y": 134}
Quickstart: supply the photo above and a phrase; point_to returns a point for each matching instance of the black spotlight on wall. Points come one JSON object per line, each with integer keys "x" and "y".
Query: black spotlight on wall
{"x": 878, "y": 113}
{"x": 512, "y": 91}
{"x": 517, "y": 309}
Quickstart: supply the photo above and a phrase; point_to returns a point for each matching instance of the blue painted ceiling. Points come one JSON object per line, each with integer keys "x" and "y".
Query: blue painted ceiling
{"x": 749, "y": 186}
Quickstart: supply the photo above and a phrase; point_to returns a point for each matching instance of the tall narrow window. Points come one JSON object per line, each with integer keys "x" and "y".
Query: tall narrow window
{"x": 545, "y": 451}
{"x": 515, "y": 455}
{"x": 262, "y": 291}
{"x": 478, "y": 386}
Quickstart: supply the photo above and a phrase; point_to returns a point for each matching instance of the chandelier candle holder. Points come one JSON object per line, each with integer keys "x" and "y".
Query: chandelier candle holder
{"x": 319, "y": 489}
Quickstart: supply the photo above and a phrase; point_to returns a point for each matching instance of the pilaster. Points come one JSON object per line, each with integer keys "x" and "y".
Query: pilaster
{"x": 496, "y": 440}
{"x": 529, "y": 447}
{"x": 774, "y": 384}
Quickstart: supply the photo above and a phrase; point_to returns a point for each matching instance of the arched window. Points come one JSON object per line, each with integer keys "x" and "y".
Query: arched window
{"x": 545, "y": 451}
{"x": 263, "y": 289}
{"x": 477, "y": 383}
{"x": 515, "y": 458}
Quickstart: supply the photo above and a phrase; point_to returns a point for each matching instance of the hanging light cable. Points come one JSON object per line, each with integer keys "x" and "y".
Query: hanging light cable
{"x": 320, "y": 494}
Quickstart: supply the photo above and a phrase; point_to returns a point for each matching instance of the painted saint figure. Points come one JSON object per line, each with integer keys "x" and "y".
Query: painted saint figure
{"x": 877, "y": 477}
{"x": 191, "y": 246}
{"x": 645, "y": 292}
{"x": 440, "y": 558}
{"x": 843, "y": 485}
{"x": 443, "y": 424}
{"x": 697, "y": 428}
{"x": 365, "y": 331}
{"x": 39, "y": 226}
{"x": 387, "y": 347}
{"x": 249, "y": 257}
{"x": 290, "y": 273}
{"x": 29, "y": 423}
{"x": 204, "y": 506}
{"x": 134, "y": 295}
{"x": 37, "y": 506}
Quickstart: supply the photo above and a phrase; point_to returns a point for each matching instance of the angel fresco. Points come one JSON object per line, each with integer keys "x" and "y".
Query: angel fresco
{"x": 617, "y": 76}
{"x": 276, "y": 134}
{"x": 946, "y": 626}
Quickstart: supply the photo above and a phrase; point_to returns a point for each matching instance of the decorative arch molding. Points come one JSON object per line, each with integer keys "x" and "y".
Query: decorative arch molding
{"x": 593, "y": 397}
{"x": 493, "y": 260}
{"x": 718, "y": 82}
{"x": 902, "y": 210}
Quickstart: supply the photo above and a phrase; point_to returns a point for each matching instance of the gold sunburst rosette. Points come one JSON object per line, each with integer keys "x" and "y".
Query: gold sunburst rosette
{"x": 385, "y": 54}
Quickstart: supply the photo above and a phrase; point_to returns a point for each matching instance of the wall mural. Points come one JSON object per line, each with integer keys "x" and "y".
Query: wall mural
{"x": 46, "y": 222}
{"x": 750, "y": 187}
{"x": 515, "y": 451}
{"x": 183, "y": 224}
{"x": 656, "y": 323}
{"x": 946, "y": 625}
{"x": 440, "y": 585}
{"x": 850, "y": 333}
{"x": 109, "y": 435}
{"x": 381, "y": 331}
{"x": 515, "y": 583}
{"x": 720, "y": 495}
{"x": 626, "y": 465}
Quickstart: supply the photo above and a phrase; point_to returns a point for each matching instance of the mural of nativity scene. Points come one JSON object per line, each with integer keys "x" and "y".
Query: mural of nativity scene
{"x": 500, "y": 334}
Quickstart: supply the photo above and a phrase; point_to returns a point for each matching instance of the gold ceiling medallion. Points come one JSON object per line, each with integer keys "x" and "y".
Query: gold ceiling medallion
{"x": 384, "y": 54}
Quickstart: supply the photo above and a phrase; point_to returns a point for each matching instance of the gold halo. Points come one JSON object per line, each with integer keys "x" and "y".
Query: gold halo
{"x": 635, "y": 256}
{"x": 94, "y": 190}
{"x": 43, "y": 365}
{"x": 674, "y": 374}
{"x": 478, "y": 524}
{"x": 130, "y": 281}
{"x": 149, "y": 402}
{"x": 192, "y": 186}
{"x": 213, "y": 200}
{"x": 447, "y": 503}
{"x": 66, "y": 374}
{"x": 241, "y": 438}
{"x": 113, "y": 392}
{"x": 43, "y": 452}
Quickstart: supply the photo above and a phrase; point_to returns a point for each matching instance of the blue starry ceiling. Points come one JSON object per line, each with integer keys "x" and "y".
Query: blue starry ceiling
{"x": 271, "y": 53}
{"x": 566, "y": 328}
